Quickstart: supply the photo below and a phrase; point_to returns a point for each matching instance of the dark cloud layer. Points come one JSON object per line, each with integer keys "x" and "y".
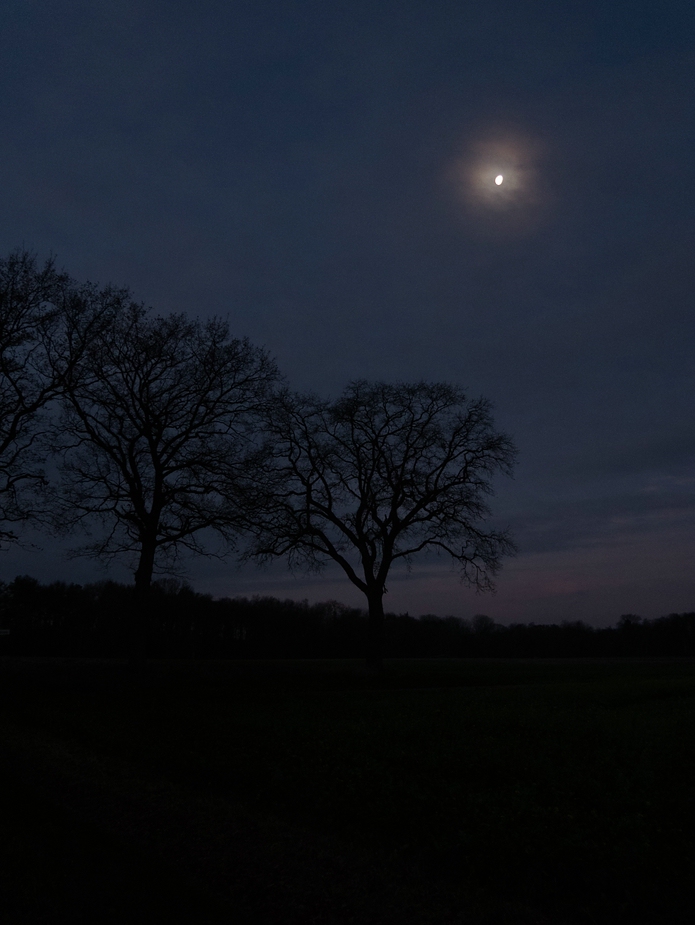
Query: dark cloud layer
{"x": 310, "y": 170}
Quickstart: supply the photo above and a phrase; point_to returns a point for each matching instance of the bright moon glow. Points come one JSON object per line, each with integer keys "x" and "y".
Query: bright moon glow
{"x": 498, "y": 179}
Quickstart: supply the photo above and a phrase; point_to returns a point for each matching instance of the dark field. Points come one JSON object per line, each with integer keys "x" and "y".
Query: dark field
{"x": 495, "y": 792}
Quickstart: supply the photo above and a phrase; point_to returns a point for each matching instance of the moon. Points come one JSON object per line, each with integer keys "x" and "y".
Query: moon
{"x": 498, "y": 179}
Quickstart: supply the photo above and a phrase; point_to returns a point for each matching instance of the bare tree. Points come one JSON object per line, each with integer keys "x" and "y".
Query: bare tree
{"x": 45, "y": 321}
{"x": 160, "y": 438}
{"x": 384, "y": 473}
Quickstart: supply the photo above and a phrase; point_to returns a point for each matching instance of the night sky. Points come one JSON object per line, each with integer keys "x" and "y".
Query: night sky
{"x": 323, "y": 174}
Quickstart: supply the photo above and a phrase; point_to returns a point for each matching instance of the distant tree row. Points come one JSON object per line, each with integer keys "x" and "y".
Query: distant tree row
{"x": 168, "y": 434}
{"x": 71, "y": 620}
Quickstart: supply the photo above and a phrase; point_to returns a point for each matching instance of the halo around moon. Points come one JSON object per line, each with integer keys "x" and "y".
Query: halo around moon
{"x": 496, "y": 182}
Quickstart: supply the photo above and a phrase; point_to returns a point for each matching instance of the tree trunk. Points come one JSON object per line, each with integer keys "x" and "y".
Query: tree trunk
{"x": 375, "y": 637}
{"x": 140, "y": 617}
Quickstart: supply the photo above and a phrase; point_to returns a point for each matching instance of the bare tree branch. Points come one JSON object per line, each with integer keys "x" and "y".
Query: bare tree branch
{"x": 45, "y": 320}
{"x": 382, "y": 474}
{"x": 160, "y": 436}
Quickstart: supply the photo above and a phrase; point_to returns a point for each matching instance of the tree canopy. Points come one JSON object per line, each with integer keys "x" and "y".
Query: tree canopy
{"x": 46, "y": 321}
{"x": 158, "y": 434}
{"x": 384, "y": 473}
{"x": 171, "y": 430}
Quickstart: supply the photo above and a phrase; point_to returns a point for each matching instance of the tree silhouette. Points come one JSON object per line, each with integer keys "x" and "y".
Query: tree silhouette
{"x": 28, "y": 312}
{"x": 158, "y": 435}
{"x": 46, "y": 320}
{"x": 384, "y": 473}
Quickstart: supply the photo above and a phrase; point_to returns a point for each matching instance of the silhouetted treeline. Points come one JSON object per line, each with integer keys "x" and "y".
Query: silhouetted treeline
{"x": 92, "y": 621}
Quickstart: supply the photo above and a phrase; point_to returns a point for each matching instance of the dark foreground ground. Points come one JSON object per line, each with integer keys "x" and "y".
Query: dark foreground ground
{"x": 471, "y": 792}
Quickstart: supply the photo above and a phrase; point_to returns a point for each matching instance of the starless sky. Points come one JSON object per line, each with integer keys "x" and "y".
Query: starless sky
{"x": 323, "y": 174}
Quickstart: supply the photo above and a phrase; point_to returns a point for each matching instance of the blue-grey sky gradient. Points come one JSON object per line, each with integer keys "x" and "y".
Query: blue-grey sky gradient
{"x": 317, "y": 173}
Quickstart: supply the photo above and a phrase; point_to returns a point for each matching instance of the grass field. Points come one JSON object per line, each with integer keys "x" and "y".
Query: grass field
{"x": 443, "y": 791}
